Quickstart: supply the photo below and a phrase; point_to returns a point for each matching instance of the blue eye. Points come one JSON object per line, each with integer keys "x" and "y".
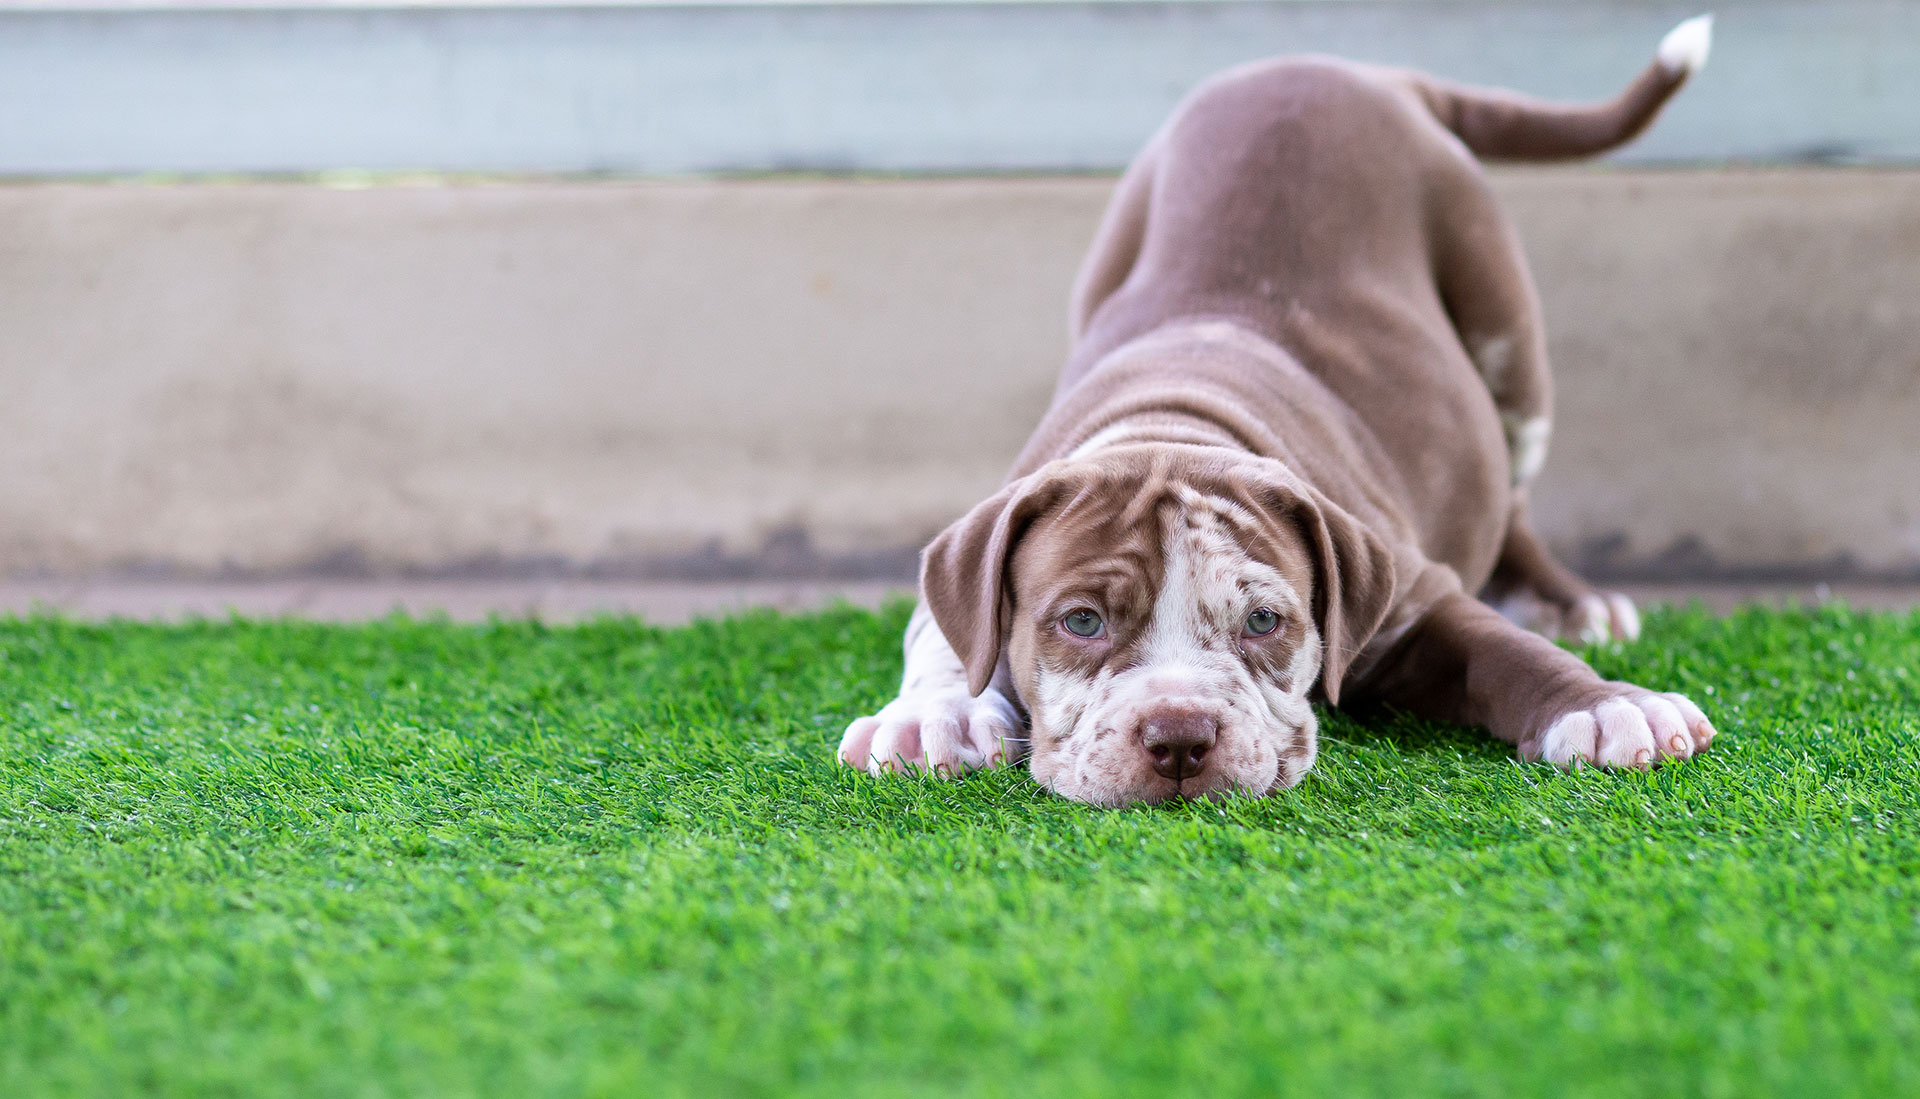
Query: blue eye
{"x": 1262, "y": 622}
{"x": 1082, "y": 622}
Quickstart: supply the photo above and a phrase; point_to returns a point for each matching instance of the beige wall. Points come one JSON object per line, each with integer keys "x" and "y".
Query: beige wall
{"x": 794, "y": 376}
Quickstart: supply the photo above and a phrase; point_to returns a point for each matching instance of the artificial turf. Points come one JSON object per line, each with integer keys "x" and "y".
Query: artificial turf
{"x": 421, "y": 858}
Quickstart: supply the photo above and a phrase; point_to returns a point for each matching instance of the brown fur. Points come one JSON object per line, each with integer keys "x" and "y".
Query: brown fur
{"x": 1305, "y": 306}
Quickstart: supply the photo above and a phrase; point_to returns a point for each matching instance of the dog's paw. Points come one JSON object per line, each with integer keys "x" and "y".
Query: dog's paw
{"x": 1601, "y": 616}
{"x": 1593, "y": 618}
{"x": 943, "y": 730}
{"x": 1633, "y": 728}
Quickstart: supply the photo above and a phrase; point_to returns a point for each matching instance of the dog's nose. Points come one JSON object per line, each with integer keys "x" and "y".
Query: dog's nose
{"x": 1177, "y": 741}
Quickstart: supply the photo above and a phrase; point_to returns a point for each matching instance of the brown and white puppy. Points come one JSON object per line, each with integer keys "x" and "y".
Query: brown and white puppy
{"x": 1307, "y": 392}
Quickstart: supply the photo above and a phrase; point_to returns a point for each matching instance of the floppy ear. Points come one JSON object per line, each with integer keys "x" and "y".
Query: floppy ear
{"x": 963, "y": 571}
{"x": 1353, "y": 569}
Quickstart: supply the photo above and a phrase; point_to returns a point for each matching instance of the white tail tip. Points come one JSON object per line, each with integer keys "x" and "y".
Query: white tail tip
{"x": 1684, "y": 49}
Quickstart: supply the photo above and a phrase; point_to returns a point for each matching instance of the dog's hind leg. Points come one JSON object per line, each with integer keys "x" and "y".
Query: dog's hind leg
{"x": 1489, "y": 296}
{"x": 1496, "y": 313}
{"x": 1530, "y": 587}
{"x": 1116, "y": 244}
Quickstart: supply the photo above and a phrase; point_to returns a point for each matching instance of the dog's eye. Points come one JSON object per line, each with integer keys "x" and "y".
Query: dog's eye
{"x": 1081, "y": 622}
{"x": 1262, "y": 622}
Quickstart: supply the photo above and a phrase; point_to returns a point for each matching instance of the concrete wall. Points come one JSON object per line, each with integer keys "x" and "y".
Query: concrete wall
{"x": 792, "y": 377}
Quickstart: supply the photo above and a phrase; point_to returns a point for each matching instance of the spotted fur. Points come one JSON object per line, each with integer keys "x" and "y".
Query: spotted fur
{"x": 1185, "y": 649}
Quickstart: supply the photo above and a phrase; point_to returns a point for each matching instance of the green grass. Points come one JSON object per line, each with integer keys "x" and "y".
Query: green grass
{"x": 419, "y": 858}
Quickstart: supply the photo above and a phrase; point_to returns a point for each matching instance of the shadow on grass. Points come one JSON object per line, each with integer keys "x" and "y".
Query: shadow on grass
{"x": 1377, "y": 726}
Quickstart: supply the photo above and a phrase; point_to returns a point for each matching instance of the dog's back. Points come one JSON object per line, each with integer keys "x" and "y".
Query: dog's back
{"x": 1339, "y": 211}
{"x": 1279, "y": 186}
{"x": 1274, "y": 176}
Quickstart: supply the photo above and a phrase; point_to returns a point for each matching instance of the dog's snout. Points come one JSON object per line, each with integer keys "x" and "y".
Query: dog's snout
{"x": 1177, "y": 742}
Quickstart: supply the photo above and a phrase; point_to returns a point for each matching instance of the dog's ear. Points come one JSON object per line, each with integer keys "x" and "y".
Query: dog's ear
{"x": 1353, "y": 569}
{"x": 963, "y": 571}
{"x": 1355, "y": 588}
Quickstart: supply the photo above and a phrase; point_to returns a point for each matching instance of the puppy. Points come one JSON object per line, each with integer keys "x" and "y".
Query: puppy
{"x": 1307, "y": 391}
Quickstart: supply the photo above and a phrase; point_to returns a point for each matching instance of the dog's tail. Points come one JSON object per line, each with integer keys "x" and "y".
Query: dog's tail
{"x": 1501, "y": 125}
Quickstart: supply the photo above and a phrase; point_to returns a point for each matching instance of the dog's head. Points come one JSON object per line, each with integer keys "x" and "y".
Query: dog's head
{"x": 1164, "y": 610}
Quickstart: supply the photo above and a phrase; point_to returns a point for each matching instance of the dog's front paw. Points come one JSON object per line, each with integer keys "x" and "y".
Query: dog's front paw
{"x": 943, "y": 730}
{"x": 1633, "y": 728}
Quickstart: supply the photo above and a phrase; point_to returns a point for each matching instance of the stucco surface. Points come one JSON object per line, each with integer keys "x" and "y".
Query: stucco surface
{"x": 726, "y": 379}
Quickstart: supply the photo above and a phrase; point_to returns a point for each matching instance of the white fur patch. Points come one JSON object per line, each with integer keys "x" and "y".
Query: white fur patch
{"x": 1626, "y": 617}
{"x": 1527, "y": 438}
{"x": 1590, "y": 617}
{"x": 1111, "y": 435}
{"x": 1685, "y": 48}
{"x": 1493, "y": 358}
{"x": 1632, "y": 729}
{"x": 1571, "y": 739}
{"x": 936, "y": 724}
{"x": 1594, "y": 619}
{"x": 1229, "y": 334}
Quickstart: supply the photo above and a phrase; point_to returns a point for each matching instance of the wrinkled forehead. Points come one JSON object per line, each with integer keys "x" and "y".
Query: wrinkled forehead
{"x": 1095, "y": 545}
{"x": 1123, "y": 548}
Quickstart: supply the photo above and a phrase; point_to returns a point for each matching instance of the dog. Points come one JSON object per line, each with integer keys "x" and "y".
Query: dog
{"x": 1289, "y": 453}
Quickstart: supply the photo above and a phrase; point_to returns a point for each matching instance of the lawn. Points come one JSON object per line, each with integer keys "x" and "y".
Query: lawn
{"x": 416, "y": 858}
